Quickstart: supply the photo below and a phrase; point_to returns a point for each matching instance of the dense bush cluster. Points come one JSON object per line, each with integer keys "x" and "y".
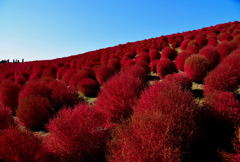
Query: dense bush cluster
{"x": 9, "y": 94}
{"x": 159, "y": 129}
{"x": 221, "y": 85}
{"x": 77, "y": 134}
{"x": 196, "y": 67}
{"x": 17, "y": 145}
{"x": 165, "y": 67}
{"x": 6, "y": 118}
{"x": 120, "y": 94}
{"x": 170, "y": 98}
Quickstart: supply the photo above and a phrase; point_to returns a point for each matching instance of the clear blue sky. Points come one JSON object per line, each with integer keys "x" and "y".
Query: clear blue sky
{"x": 46, "y": 29}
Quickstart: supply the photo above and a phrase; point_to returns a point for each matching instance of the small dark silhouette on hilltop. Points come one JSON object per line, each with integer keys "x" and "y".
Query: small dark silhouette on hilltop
{"x": 14, "y": 61}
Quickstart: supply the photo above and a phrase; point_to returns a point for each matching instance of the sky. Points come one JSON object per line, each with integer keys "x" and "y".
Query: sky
{"x": 48, "y": 29}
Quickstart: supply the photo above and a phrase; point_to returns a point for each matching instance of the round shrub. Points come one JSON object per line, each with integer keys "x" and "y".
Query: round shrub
{"x": 20, "y": 80}
{"x": 137, "y": 71}
{"x": 114, "y": 64}
{"x": 60, "y": 72}
{"x": 104, "y": 58}
{"x": 103, "y": 73}
{"x": 75, "y": 78}
{"x": 49, "y": 72}
{"x": 34, "y": 112}
{"x": 77, "y": 134}
{"x": 6, "y": 118}
{"x": 154, "y": 54}
{"x": 212, "y": 41}
{"x": 168, "y": 53}
{"x": 196, "y": 67}
{"x": 211, "y": 54}
{"x": 224, "y": 49}
{"x": 159, "y": 129}
{"x": 144, "y": 65}
{"x": 201, "y": 40}
{"x": 35, "y": 88}
{"x": 167, "y": 94}
{"x": 36, "y": 73}
{"x": 179, "y": 78}
{"x": 120, "y": 93}
{"x": 9, "y": 92}
{"x": 224, "y": 36}
{"x": 189, "y": 35}
{"x": 193, "y": 47}
{"x": 62, "y": 96}
{"x": 18, "y": 145}
{"x": 68, "y": 75}
{"x": 225, "y": 77}
{"x": 153, "y": 66}
{"x": 88, "y": 87}
{"x": 175, "y": 40}
{"x": 128, "y": 63}
{"x": 165, "y": 67}
{"x": 220, "y": 86}
{"x": 184, "y": 44}
{"x": 143, "y": 56}
{"x": 225, "y": 104}
{"x": 180, "y": 60}
{"x": 124, "y": 59}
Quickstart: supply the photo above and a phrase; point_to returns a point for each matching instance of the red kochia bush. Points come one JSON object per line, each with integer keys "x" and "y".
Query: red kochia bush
{"x": 212, "y": 41}
{"x": 103, "y": 73}
{"x": 201, "y": 40}
{"x": 193, "y": 47}
{"x": 168, "y": 53}
{"x": 49, "y": 72}
{"x": 165, "y": 67}
{"x": 153, "y": 66}
{"x": 9, "y": 95}
{"x": 180, "y": 60}
{"x": 6, "y": 118}
{"x": 218, "y": 86}
{"x": 62, "y": 96}
{"x": 75, "y": 78}
{"x": 20, "y": 146}
{"x": 225, "y": 36}
{"x": 211, "y": 54}
{"x": 175, "y": 40}
{"x": 68, "y": 74}
{"x": 226, "y": 104}
{"x": 179, "y": 78}
{"x": 114, "y": 64}
{"x": 60, "y": 72}
{"x": 231, "y": 157}
{"x": 20, "y": 79}
{"x": 184, "y": 44}
{"x": 34, "y": 112}
{"x": 196, "y": 67}
{"x": 35, "y": 88}
{"x": 154, "y": 54}
{"x": 224, "y": 49}
{"x": 120, "y": 94}
{"x": 77, "y": 134}
{"x": 88, "y": 87}
{"x": 160, "y": 129}
{"x": 166, "y": 94}
{"x": 225, "y": 77}
{"x": 143, "y": 56}
{"x": 137, "y": 71}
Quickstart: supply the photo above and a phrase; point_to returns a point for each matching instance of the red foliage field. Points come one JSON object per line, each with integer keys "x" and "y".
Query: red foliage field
{"x": 167, "y": 99}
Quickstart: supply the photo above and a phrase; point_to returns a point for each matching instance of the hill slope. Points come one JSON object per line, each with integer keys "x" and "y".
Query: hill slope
{"x": 171, "y": 98}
